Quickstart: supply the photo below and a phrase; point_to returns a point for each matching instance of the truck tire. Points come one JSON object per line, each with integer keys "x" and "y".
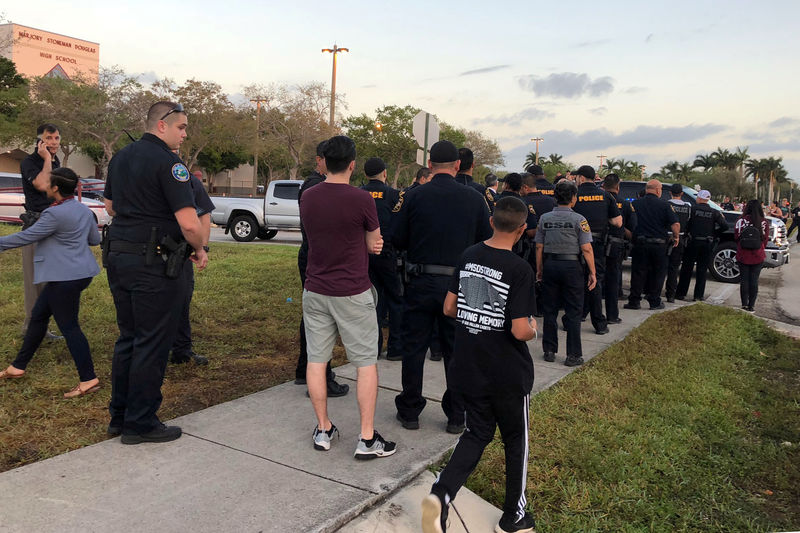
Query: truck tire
{"x": 267, "y": 234}
{"x": 723, "y": 265}
{"x": 244, "y": 228}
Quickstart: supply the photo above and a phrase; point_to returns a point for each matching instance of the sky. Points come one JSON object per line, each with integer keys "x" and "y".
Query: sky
{"x": 649, "y": 81}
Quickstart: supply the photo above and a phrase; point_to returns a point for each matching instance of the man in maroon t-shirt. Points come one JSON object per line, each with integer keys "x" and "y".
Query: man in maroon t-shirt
{"x": 341, "y": 225}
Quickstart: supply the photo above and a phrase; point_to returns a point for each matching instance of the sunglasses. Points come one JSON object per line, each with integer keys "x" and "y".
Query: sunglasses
{"x": 177, "y": 109}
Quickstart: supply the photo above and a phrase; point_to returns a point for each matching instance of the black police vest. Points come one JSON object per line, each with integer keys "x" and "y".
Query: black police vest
{"x": 593, "y": 205}
{"x": 703, "y": 221}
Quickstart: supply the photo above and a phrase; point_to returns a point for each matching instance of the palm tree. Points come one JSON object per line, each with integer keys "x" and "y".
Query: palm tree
{"x": 555, "y": 159}
{"x": 725, "y": 158}
{"x": 530, "y": 159}
{"x": 707, "y": 161}
{"x": 670, "y": 169}
{"x": 684, "y": 172}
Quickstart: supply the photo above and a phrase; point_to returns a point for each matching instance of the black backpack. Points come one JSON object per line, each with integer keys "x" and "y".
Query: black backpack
{"x": 750, "y": 238}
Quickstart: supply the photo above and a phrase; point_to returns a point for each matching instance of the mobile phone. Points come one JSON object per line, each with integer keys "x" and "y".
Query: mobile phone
{"x": 38, "y": 140}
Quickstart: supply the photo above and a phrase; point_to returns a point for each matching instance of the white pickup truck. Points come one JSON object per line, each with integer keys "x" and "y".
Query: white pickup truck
{"x": 248, "y": 218}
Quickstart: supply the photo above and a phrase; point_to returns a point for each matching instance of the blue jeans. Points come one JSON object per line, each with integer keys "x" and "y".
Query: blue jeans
{"x": 61, "y": 300}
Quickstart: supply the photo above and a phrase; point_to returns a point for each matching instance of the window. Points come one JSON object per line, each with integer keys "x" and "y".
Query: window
{"x": 287, "y": 191}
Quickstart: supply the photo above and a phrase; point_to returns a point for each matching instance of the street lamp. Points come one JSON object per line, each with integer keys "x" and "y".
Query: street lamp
{"x": 602, "y": 157}
{"x": 537, "y": 140}
{"x": 335, "y": 50}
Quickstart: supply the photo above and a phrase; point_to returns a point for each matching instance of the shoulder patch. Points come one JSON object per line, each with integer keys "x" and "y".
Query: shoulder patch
{"x": 531, "y": 209}
{"x": 399, "y": 203}
{"x": 180, "y": 172}
{"x": 585, "y": 226}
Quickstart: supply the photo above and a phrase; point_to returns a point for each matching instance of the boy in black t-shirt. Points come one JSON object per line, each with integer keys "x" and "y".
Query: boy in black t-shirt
{"x": 490, "y": 297}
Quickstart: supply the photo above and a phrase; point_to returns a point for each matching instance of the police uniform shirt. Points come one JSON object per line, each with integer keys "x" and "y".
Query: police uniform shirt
{"x": 533, "y": 215}
{"x": 544, "y": 186}
{"x": 683, "y": 210}
{"x": 147, "y": 183}
{"x": 704, "y": 219}
{"x": 202, "y": 202}
{"x": 438, "y": 221}
{"x": 563, "y": 231}
{"x": 466, "y": 179}
{"x": 385, "y": 199}
{"x": 541, "y": 204}
{"x": 31, "y": 166}
{"x": 654, "y": 217}
{"x": 597, "y": 206}
{"x": 628, "y": 217}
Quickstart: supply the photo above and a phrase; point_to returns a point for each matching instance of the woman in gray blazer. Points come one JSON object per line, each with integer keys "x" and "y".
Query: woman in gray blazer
{"x": 66, "y": 264}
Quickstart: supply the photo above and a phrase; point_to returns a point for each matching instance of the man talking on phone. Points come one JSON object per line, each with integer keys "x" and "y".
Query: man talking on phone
{"x": 35, "y": 170}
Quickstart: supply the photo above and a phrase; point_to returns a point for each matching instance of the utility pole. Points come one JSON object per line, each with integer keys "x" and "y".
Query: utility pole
{"x": 257, "y": 100}
{"x": 335, "y": 50}
{"x": 537, "y": 140}
{"x": 602, "y": 157}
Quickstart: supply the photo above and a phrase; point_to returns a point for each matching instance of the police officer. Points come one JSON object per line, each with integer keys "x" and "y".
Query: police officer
{"x": 316, "y": 177}
{"x": 149, "y": 194}
{"x": 705, "y": 224}
{"x": 35, "y": 169}
{"x": 683, "y": 211}
{"x": 435, "y": 223}
{"x": 654, "y": 217}
{"x": 538, "y": 204}
{"x": 182, "y": 347}
{"x": 491, "y": 188}
{"x": 542, "y": 185}
{"x": 601, "y": 211}
{"x": 423, "y": 176}
{"x": 464, "y": 176}
{"x": 383, "y": 268}
{"x": 615, "y": 250}
{"x": 563, "y": 237}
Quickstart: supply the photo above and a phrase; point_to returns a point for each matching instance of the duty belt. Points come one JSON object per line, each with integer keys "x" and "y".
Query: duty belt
{"x": 704, "y": 239}
{"x": 437, "y": 270}
{"x": 650, "y": 240}
{"x": 562, "y": 257}
{"x": 598, "y": 234}
{"x": 126, "y": 247}
{"x": 616, "y": 240}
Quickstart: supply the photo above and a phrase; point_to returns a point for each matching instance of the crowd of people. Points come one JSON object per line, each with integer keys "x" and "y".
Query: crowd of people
{"x": 453, "y": 267}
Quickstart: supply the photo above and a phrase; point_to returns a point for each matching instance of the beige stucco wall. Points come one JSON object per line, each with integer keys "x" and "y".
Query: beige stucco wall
{"x": 36, "y": 52}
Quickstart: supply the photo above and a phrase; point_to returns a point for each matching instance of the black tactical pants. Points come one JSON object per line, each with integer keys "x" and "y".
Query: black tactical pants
{"x": 673, "y": 268}
{"x": 182, "y": 347}
{"x": 593, "y": 299}
{"x": 147, "y": 316}
{"x": 562, "y": 282}
{"x": 698, "y": 252}
{"x": 648, "y": 272}
{"x": 611, "y": 283}
{"x": 423, "y": 307}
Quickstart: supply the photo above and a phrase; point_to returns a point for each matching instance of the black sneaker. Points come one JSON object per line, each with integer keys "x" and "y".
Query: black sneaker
{"x": 407, "y": 424}
{"x": 436, "y": 356}
{"x": 113, "y": 431}
{"x": 374, "y": 448}
{"x": 434, "y": 514}
{"x": 617, "y": 320}
{"x": 549, "y": 356}
{"x": 336, "y": 390}
{"x": 656, "y": 307}
{"x": 162, "y": 433}
{"x": 601, "y": 331}
{"x": 510, "y": 524}
{"x": 455, "y": 428}
{"x": 631, "y": 306}
{"x": 573, "y": 361}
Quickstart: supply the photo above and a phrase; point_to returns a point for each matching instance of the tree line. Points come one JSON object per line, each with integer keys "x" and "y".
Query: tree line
{"x": 280, "y": 125}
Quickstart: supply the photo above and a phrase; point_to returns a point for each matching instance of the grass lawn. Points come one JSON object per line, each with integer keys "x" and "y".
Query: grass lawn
{"x": 683, "y": 426}
{"x": 241, "y": 320}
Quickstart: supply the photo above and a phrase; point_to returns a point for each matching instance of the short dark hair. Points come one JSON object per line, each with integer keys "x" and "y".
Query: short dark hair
{"x": 321, "y": 149}
{"x": 466, "y": 157}
{"x": 529, "y": 180}
{"x": 423, "y": 172}
{"x": 490, "y": 180}
{"x": 610, "y": 181}
{"x": 46, "y": 127}
{"x": 565, "y": 191}
{"x": 513, "y": 182}
{"x": 158, "y": 110}
{"x": 65, "y": 179}
{"x": 339, "y": 152}
{"x": 509, "y": 214}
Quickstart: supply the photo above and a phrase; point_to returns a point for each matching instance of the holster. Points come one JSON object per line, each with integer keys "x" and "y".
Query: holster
{"x": 29, "y": 218}
{"x": 177, "y": 253}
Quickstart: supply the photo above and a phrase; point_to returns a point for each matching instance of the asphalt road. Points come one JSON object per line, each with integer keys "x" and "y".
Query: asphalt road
{"x": 283, "y": 237}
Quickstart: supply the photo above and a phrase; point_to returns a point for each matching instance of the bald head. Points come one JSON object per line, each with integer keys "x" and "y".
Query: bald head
{"x": 653, "y": 186}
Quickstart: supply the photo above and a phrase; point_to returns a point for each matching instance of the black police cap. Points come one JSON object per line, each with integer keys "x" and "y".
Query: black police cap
{"x": 374, "y": 166}
{"x": 444, "y": 152}
{"x": 536, "y": 170}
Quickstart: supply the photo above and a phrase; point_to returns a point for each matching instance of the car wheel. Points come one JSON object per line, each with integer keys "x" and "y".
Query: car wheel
{"x": 244, "y": 228}
{"x": 266, "y": 235}
{"x": 723, "y": 266}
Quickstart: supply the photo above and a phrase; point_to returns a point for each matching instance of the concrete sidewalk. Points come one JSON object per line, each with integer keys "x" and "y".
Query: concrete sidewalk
{"x": 248, "y": 465}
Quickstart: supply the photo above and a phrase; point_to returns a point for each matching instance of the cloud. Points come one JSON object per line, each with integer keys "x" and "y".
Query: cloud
{"x": 570, "y": 142}
{"x": 588, "y": 44}
{"x": 635, "y": 90}
{"x": 598, "y": 111}
{"x": 484, "y": 70}
{"x": 648, "y": 38}
{"x": 783, "y": 122}
{"x": 531, "y": 113}
{"x": 147, "y": 77}
{"x": 567, "y": 85}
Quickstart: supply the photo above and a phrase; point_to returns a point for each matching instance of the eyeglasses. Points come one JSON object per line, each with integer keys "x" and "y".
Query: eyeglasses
{"x": 177, "y": 109}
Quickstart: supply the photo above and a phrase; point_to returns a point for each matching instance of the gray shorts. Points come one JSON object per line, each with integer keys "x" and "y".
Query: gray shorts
{"x": 353, "y": 317}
